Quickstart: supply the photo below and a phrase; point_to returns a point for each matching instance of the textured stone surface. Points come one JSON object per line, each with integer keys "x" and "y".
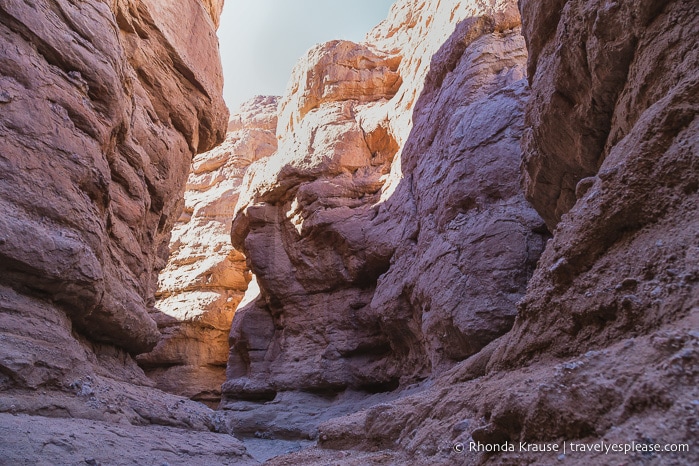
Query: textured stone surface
{"x": 98, "y": 132}
{"x": 102, "y": 106}
{"x": 642, "y": 390}
{"x": 371, "y": 236}
{"x": 624, "y": 256}
{"x": 605, "y": 346}
{"x": 473, "y": 241}
{"x": 73, "y": 441}
{"x": 367, "y": 230}
{"x": 205, "y": 278}
{"x": 214, "y": 8}
{"x": 595, "y": 67}
{"x": 315, "y": 280}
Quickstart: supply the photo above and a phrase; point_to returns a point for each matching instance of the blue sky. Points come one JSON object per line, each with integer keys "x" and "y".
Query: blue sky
{"x": 261, "y": 40}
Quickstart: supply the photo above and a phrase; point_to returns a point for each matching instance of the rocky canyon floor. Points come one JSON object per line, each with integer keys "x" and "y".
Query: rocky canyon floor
{"x": 471, "y": 238}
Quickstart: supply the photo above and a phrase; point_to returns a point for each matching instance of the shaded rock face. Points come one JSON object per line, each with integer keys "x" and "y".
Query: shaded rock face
{"x": 624, "y": 257}
{"x": 371, "y": 235}
{"x": 205, "y": 278}
{"x": 605, "y": 343}
{"x": 97, "y": 142}
{"x": 622, "y": 265}
{"x": 591, "y": 93}
{"x": 453, "y": 283}
{"x": 102, "y": 106}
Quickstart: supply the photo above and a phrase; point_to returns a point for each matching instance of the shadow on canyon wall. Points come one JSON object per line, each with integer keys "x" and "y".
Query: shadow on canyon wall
{"x": 376, "y": 273}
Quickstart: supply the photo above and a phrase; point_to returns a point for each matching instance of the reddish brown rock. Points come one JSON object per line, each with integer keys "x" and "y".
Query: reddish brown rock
{"x": 623, "y": 256}
{"x": 301, "y": 232}
{"x": 97, "y": 141}
{"x": 334, "y": 72}
{"x": 205, "y": 277}
{"x": 591, "y": 91}
{"x": 605, "y": 345}
{"x": 371, "y": 235}
{"x": 103, "y": 105}
{"x": 469, "y": 219}
{"x": 637, "y": 391}
{"x": 214, "y": 8}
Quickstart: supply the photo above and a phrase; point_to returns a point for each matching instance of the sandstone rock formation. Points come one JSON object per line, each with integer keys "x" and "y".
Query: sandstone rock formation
{"x": 377, "y": 242}
{"x": 625, "y": 254}
{"x": 605, "y": 344}
{"x": 205, "y": 278}
{"x": 406, "y": 298}
{"x": 473, "y": 240}
{"x": 103, "y": 105}
{"x": 88, "y": 227}
{"x": 214, "y": 8}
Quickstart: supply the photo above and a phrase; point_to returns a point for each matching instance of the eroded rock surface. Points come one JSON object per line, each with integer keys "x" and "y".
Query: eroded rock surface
{"x": 604, "y": 347}
{"x": 97, "y": 142}
{"x": 624, "y": 257}
{"x": 604, "y": 342}
{"x": 388, "y": 236}
{"x": 102, "y": 106}
{"x": 77, "y": 441}
{"x": 205, "y": 277}
{"x": 376, "y": 240}
{"x": 591, "y": 91}
{"x": 471, "y": 240}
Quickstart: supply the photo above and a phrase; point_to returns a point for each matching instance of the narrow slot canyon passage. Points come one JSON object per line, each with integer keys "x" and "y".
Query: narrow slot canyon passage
{"x": 426, "y": 232}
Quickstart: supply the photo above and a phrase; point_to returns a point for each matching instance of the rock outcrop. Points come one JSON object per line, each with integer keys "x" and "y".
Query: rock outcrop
{"x": 624, "y": 254}
{"x": 471, "y": 241}
{"x": 444, "y": 250}
{"x": 376, "y": 240}
{"x": 97, "y": 142}
{"x": 205, "y": 278}
{"x": 102, "y": 106}
{"x": 604, "y": 347}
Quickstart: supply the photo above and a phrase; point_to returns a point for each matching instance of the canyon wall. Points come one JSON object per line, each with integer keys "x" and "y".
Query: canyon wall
{"x": 103, "y": 104}
{"x": 624, "y": 255}
{"x": 376, "y": 230}
{"x": 205, "y": 277}
{"x": 454, "y": 238}
{"x": 88, "y": 226}
{"x": 604, "y": 347}
{"x": 392, "y": 242}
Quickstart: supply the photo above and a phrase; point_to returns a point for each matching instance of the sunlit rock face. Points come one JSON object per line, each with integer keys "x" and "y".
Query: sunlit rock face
{"x": 205, "y": 277}
{"x": 388, "y": 234}
{"x": 214, "y": 8}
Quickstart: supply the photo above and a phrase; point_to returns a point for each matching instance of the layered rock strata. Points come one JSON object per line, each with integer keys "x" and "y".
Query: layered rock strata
{"x": 388, "y": 236}
{"x": 205, "y": 277}
{"x": 88, "y": 226}
{"x": 376, "y": 240}
{"x": 103, "y": 105}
